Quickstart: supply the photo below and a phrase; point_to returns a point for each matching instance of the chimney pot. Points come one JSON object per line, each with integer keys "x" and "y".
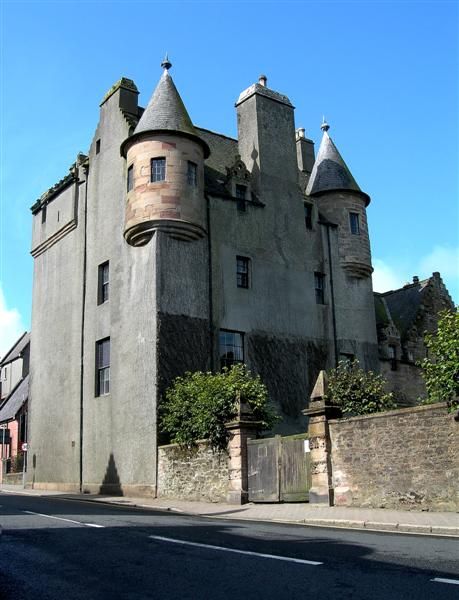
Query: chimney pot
{"x": 415, "y": 279}
{"x": 262, "y": 80}
{"x": 301, "y": 132}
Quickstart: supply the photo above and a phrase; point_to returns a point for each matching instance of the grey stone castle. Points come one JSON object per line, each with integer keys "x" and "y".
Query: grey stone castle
{"x": 171, "y": 248}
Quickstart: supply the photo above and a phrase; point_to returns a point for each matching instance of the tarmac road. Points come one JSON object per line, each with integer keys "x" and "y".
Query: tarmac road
{"x": 54, "y": 548}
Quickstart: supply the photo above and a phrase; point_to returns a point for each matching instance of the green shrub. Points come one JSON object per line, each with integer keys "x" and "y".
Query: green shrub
{"x": 357, "y": 392}
{"x": 441, "y": 369}
{"x": 198, "y": 405}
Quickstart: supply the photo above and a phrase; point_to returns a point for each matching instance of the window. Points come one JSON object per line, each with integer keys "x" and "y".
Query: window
{"x": 43, "y": 214}
{"x": 158, "y": 169}
{"x": 192, "y": 173}
{"x": 23, "y": 427}
{"x": 130, "y": 178}
{"x": 308, "y": 215}
{"x": 97, "y": 146}
{"x": 393, "y": 357}
{"x": 103, "y": 285}
{"x": 231, "y": 348}
{"x": 242, "y": 271}
{"x": 354, "y": 223}
{"x": 319, "y": 284}
{"x": 240, "y": 195}
{"x": 103, "y": 367}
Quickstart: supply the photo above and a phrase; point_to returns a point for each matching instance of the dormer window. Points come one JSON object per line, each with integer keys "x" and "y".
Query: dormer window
{"x": 241, "y": 192}
{"x": 308, "y": 215}
{"x": 158, "y": 169}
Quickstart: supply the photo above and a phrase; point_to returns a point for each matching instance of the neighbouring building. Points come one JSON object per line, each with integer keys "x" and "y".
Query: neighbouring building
{"x": 402, "y": 318}
{"x": 172, "y": 248}
{"x": 14, "y": 395}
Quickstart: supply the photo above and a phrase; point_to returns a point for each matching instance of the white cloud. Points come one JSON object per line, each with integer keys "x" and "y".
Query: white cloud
{"x": 443, "y": 259}
{"x": 385, "y": 277}
{"x": 11, "y": 325}
{"x": 389, "y": 275}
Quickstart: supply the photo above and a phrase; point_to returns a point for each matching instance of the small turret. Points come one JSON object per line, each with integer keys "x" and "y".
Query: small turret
{"x": 165, "y": 170}
{"x": 341, "y": 201}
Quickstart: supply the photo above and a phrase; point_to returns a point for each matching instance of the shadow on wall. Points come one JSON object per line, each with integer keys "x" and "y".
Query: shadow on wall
{"x": 111, "y": 485}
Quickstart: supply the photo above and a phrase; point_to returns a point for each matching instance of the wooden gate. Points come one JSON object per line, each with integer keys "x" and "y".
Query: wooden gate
{"x": 279, "y": 469}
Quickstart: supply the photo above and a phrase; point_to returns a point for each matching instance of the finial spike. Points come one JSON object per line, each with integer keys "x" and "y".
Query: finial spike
{"x": 325, "y": 126}
{"x": 166, "y": 64}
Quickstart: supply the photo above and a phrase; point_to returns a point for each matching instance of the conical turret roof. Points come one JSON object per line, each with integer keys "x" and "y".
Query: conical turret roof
{"x": 330, "y": 172}
{"x": 166, "y": 112}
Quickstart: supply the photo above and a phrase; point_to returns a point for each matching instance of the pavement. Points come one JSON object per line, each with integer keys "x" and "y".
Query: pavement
{"x": 370, "y": 519}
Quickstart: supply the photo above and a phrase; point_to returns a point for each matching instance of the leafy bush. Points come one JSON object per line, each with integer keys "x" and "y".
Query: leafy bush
{"x": 357, "y": 392}
{"x": 441, "y": 370}
{"x": 198, "y": 405}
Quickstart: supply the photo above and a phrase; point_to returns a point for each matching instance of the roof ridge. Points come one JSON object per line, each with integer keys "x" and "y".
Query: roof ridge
{"x": 16, "y": 343}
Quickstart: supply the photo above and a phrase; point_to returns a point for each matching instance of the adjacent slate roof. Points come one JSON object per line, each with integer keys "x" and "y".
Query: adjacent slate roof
{"x": 404, "y": 304}
{"x": 223, "y": 153}
{"x": 15, "y": 401}
{"x": 15, "y": 351}
{"x": 330, "y": 172}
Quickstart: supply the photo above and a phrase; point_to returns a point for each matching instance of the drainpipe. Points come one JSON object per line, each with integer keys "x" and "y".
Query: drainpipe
{"x": 332, "y": 294}
{"x": 211, "y": 309}
{"x": 83, "y": 305}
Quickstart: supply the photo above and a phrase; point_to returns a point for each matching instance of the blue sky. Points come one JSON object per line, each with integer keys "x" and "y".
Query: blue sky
{"x": 385, "y": 75}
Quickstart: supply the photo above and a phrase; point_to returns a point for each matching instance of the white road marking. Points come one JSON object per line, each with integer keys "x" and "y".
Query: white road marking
{"x": 441, "y": 580}
{"x": 29, "y": 512}
{"x": 246, "y": 552}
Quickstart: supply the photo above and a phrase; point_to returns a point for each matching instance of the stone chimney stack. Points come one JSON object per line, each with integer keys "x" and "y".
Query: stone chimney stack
{"x": 266, "y": 134}
{"x": 304, "y": 151}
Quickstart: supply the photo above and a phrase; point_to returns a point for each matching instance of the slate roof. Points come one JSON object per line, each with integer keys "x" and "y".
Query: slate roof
{"x": 16, "y": 350}
{"x": 404, "y": 304}
{"x": 15, "y": 401}
{"x": 165, "y": 110}
{"x": 330, "y": 172}
{"x": 223, "y": 153}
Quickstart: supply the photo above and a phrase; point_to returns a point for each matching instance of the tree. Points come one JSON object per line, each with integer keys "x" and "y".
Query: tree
{"x": 198, "y": 406}
{"x": 357, "y": 392}
{"x": 440, "y": 369}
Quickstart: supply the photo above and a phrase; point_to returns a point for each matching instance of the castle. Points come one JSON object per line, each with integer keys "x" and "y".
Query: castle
{"x": 171, "y": 248}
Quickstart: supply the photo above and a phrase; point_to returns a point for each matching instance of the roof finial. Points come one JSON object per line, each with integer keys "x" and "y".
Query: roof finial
{"x": 166, "y": 64}
{"x": 325, "y": 126}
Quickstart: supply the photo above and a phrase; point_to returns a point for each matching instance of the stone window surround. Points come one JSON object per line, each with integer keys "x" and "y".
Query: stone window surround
{"x": 308, "y": 208}
{"x": 130, "y": 178}
{"x": 192, "y": 173}
{"x": 158, "y": 169}
{"x": 243, "y": 275}
{"x": 319, "y": 285}
{"x": 102, "y": 367}
{"x": 354, "y": 223}
{"x": 232, "y": 342}
{"x": 103, "y": 275}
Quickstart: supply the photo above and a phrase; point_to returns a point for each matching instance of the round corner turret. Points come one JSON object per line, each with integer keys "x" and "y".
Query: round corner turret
{"x": 165, "y": 170}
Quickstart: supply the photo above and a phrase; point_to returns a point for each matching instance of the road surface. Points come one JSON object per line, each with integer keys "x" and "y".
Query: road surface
{"x": 57, "y": 549}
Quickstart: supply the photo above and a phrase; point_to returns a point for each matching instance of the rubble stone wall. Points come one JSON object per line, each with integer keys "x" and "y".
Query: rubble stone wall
{"x": 197, "y": 474}
{"x": 404, "y": 459}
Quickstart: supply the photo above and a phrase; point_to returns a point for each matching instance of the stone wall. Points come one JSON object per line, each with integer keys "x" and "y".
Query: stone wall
{"x": 198, "y": 474}
{"x": 404, "y": 459}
